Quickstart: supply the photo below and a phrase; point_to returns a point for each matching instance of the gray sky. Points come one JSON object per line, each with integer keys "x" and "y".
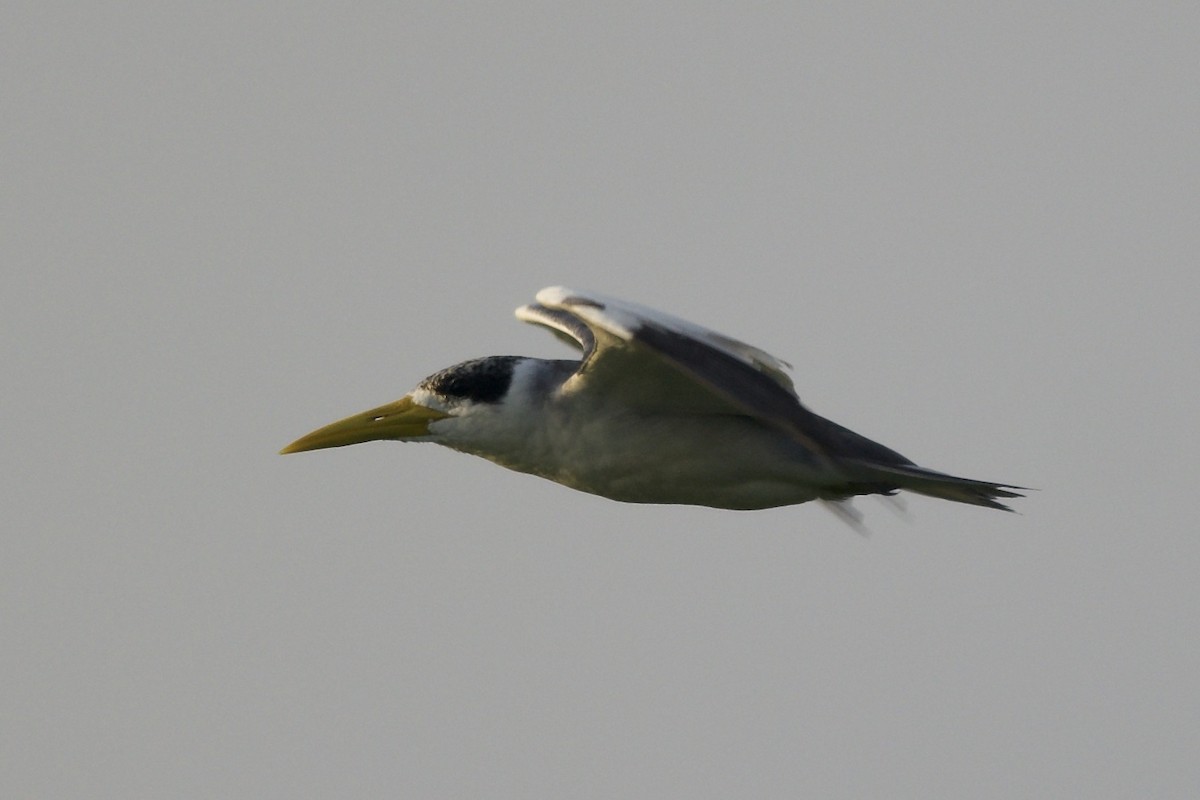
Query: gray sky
{"x": 972, "y": 229}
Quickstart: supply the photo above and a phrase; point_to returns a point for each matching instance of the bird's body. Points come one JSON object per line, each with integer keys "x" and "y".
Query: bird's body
{"x": 636, "y": 456}
{"x": 658, "y": 410}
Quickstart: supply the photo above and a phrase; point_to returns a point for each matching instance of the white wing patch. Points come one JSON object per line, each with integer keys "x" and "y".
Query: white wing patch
{"x": 622, "y": 319}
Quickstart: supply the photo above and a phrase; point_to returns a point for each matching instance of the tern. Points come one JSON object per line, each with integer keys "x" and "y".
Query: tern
{"x": 656, "y": 410}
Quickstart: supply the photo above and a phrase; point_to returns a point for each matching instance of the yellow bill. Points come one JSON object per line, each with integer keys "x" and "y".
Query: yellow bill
{"x": 402, "y": 419}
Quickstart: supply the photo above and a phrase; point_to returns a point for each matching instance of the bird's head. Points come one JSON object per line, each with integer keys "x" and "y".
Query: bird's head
{"x": 470, "y": 389}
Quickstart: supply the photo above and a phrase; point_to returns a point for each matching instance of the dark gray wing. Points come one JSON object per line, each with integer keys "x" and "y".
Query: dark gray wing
{"x": 654, "y": 361}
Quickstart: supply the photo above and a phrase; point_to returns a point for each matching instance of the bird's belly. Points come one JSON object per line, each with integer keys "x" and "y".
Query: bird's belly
{"x": 719, "y": 461}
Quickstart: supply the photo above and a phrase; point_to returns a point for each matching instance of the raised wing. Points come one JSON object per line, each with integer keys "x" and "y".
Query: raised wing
{"x": 616, "y": 367}
{"x": 623, "y": 319}
{"x": 656, "y": 361}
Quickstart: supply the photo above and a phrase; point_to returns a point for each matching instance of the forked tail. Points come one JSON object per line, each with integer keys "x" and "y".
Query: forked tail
{"x": 929, "y": 482}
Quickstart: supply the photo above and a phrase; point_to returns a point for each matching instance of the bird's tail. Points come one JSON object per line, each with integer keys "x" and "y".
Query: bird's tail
{"x": 938, "y": 484}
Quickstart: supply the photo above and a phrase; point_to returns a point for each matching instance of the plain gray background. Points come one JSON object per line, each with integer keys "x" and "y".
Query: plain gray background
{"x": 971, "y": 227}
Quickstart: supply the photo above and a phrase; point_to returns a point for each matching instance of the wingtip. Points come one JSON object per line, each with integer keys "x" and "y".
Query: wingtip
{"x": 553, "y": 295}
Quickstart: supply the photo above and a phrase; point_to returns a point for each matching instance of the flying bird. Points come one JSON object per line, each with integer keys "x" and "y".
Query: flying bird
{"x": 656, "y": 410}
